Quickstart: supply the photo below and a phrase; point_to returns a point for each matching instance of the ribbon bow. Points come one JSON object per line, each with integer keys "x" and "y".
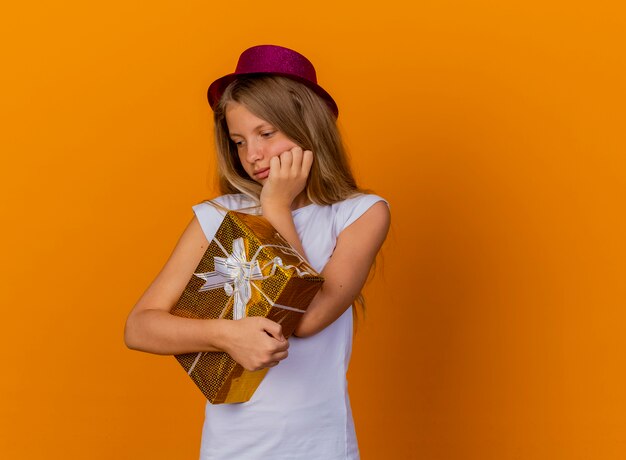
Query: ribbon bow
{"x": 235, "y": 274}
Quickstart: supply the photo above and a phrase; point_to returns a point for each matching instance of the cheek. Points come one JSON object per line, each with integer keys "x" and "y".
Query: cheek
{"x": 280, "y": 146}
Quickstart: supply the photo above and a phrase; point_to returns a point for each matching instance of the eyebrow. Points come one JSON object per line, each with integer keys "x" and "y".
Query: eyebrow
{"x": 255, "y": 129}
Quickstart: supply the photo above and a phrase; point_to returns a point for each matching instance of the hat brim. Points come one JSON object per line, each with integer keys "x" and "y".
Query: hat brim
{"x": 217, "y": 88}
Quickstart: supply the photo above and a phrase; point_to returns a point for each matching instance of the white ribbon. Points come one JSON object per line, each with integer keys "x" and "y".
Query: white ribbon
{"x": 235, "y": 274}
{"x": 237, "y": 270}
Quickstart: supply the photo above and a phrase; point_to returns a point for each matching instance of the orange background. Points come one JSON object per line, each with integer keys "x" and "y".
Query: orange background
{"x": 495, "y": 129}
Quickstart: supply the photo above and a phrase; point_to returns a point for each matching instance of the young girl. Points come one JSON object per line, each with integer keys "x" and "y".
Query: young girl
{"x": 279, "y": 150}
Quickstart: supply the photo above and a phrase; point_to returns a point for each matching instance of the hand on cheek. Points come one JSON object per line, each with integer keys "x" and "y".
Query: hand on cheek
{"x": 287, "y": 178}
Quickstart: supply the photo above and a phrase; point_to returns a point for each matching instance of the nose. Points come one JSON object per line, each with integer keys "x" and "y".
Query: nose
{"x": 254, "y": 151}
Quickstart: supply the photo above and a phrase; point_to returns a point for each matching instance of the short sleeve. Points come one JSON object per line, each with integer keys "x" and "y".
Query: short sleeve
{"x": 351, "y": 209}
{"x": 210, "y": 216}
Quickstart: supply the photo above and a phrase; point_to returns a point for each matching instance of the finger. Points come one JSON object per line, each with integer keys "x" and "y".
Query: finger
{"x": 286, "y": 159}
{"x": 307, "y": 162}
{"x": 280, "y": 356}
{"x": 273, "y": 329}
{"x": 275, "y": 345}
{"x": 279, "y": 347}
{"x": 274, "y": 166}
{"x": 296, "y": 163}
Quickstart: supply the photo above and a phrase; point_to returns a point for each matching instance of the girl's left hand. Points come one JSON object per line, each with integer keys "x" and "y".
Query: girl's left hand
{"x": 287, "y": 178}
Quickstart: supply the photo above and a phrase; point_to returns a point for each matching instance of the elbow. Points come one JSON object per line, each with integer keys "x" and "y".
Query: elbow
{"x": 301, "y": 334}
{"x": 304, "y": 329}
{"x": 131, "y": 339}
{"x": 128, "y": 341}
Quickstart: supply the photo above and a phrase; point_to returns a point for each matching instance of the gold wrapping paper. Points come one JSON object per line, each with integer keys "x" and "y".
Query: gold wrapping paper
{"x": 247, "y": 268}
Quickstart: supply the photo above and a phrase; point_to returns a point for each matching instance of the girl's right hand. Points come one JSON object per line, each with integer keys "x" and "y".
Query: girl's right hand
{"x": 287, "y": 179}
{"x": 256, "y": 342}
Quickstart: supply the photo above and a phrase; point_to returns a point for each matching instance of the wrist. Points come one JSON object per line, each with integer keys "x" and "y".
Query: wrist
{"x": 273, "y": 208}
{"x": 220, "y": 334}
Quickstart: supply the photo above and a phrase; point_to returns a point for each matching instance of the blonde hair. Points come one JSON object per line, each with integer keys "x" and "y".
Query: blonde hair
{"x": 302, "y": 116}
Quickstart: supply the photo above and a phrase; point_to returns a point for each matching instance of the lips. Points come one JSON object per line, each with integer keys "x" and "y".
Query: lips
{"x": 262, "y": 173}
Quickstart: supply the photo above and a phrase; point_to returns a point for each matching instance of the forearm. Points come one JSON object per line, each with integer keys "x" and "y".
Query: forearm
{"x": 328, "y": 305}
{"x": 282, "y": 220}
{"x": 160, "y": 332}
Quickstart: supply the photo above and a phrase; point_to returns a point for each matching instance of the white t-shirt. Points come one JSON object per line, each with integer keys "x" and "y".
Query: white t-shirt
{"x": 301, "y": 409}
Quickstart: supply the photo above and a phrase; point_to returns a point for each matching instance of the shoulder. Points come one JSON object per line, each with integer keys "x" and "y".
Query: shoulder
{"x": 351, "y": 209}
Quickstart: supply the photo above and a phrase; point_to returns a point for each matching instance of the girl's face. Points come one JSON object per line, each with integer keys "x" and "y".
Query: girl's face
{"x": 257, "y": 141}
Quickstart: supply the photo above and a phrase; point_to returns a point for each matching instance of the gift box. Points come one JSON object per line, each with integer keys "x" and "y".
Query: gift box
{"x": 247, "y": 270}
